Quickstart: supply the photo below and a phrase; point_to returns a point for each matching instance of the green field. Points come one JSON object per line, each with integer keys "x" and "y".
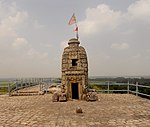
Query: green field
{"x": 97, "y": 83}
{"x": 4, "y": 86}
{"x": 5, "y": 83}
{"x": 103, "y": 85}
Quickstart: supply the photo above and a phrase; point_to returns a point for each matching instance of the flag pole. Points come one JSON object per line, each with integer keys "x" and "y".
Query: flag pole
{"x": 73, "y": 21}
{"x": 76, "y": 30}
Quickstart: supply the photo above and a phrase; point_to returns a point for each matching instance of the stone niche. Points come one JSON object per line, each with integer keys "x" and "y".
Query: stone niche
{"x": 74, "y": 70}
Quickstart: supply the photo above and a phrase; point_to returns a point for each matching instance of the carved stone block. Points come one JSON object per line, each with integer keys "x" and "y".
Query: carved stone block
{"x": 91, "y": 96}
{"x": 55, "y": 97}
{"x": 62, "y": 97}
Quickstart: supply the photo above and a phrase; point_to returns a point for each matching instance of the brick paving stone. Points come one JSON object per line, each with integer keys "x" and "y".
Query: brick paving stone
{"x": 112, "y": 110}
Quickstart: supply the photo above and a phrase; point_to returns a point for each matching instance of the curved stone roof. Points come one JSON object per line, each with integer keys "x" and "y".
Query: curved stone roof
{"x": 73, "y": 41}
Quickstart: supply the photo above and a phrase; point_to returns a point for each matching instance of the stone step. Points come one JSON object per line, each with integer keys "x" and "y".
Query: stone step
{"x": 27, "y": 93}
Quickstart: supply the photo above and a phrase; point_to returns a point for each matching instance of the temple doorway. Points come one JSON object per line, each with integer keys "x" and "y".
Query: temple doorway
{"x": 75, "y": 92}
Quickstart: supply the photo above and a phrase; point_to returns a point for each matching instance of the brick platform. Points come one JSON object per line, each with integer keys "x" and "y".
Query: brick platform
{"x": 112, "y": 110}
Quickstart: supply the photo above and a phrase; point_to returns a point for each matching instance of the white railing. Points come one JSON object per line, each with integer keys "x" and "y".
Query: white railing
{"x": 137, "y": 89}
{"x": 19, "y": 84}
{"x": 128, "y": 90}
{"x": 15, "y": 85}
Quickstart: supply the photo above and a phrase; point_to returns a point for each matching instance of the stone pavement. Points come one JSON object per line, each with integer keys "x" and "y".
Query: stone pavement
{"x": 112, "y": 110}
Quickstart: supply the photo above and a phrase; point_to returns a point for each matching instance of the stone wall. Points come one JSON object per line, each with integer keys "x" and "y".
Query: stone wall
{"x": 74, "y": 69}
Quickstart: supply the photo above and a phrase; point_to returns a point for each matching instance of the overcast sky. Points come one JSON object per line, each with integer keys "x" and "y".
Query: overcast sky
{"x": 115, "y": 34}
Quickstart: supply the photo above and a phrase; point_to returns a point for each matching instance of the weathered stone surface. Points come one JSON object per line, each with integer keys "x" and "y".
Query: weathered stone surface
{"x": 79, "y": 110}
{"x": 111, "y": 110}
{"x": 83, "y": 97}
{"x": 54, "y": 89}
{"x": 62, "y": 97}
{"x": 55, "y": 97}
{"x": 28, "y": 91}
{"x": 41, "y": 92}
{"x": 91, "y": 90}
{"x": 91, "y": 96}
{"x": 74, "y": 69}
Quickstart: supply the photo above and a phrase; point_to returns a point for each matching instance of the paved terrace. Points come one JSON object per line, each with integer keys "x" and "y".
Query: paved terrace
{"x": 112, "y": 110}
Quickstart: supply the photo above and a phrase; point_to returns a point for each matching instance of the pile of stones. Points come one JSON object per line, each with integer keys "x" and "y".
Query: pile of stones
{"x": 91, "y": 96}
{"x": 59, "y": 97}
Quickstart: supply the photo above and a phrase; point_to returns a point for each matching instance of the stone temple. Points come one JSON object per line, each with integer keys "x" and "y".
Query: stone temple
{"x": 74, "y": 70}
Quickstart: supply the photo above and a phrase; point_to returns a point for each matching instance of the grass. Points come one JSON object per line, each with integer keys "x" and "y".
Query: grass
{"x": 97, "y": 83}
{"x": 5, "y": 83}
{"x": 4, "y": 86}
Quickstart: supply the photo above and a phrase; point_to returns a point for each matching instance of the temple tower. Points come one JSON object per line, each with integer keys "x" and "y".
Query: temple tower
{"x": 74, "y": 70}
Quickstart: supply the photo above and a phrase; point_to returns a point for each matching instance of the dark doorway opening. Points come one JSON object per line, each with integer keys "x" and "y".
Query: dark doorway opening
{"x": 75, "y": 92}
{"x": 74, "y": 62}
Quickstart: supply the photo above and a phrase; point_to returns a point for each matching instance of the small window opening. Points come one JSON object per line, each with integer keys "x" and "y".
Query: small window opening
{"x": 74, "y": 62}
